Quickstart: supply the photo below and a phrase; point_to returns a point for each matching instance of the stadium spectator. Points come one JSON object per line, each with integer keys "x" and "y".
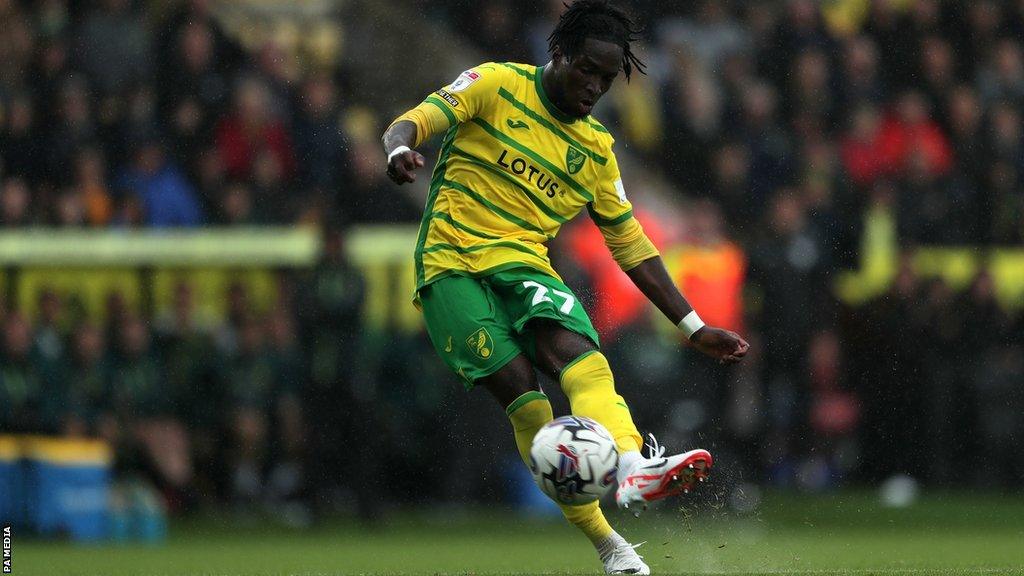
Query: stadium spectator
{"x": 194, "y": 77}
{"x": 25, "y": 397}
{"x": 239, "y": 307}
{"x": 86, "y": 381}
{"x": 693, "y": 113}
{"x": 20, "y": 142}
{"x": 91, "y": 183}
{"x": 250, "y": 390}
{"x": 72, "y": 126}
{"x": 114, "y": 32}
{"x": 494, "y": 26}
{"x": 964, "y": 116}
{"x": 166, "y": 198}
{"x": 864, "y": 159}
{"x": 15, "y": 203}
{"x": 1002, "y": 75}
{"x": 909, "y": 135}
{"x": 860, "y": 80}
{"x": 769, "y": 145}
{"x": 319, "y": 140}
{"x": 286, "y": 480}
{"x": 48, "y": 338}
{"x": 146, "y": 432}
{"x": 711, "y": 36}
{"x": 251, "y": 128}
{"x": 809, "y": 99}
{"x": 18, "y": 46}
{"x": 236, "y": 205}
{"x": 938, "y": 69}
{"x": 193, "y": 380}
{"x": 272, "y": 197}
{"x": 342, "y": 376}
{"x": 52, "y": 67}
{"x": 786, "y": 263}
{"x": 187, "y": 357}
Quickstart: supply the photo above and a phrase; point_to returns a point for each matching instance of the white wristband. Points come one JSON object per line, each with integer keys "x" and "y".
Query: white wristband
{"x": 397, "y": 151}
{"x": 690, "y": 324}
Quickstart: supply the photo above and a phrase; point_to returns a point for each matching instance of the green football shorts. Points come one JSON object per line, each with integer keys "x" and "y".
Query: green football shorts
{"x": 478, "y": 325}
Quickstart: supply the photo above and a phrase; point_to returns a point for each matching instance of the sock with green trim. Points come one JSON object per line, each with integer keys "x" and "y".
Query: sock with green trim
{"x": 588, "y": 383}
{"x": 528, "y": 414}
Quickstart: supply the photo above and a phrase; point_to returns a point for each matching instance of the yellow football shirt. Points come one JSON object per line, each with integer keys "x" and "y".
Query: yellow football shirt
{"x": 511, "y": 170}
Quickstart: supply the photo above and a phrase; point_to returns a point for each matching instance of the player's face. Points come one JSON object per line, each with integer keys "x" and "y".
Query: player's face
{"x": 588, "y": 75}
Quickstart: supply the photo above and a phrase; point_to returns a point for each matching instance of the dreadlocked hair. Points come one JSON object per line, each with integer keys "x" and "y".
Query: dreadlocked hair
{"x": 600, "y": 20}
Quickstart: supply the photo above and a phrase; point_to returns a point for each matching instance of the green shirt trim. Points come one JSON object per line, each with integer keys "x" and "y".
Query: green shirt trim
{"x": 517, "y": 70}
{"x": 470, "y": 249}
{"x": 493, "y": 207}
{"x": 452, "y": 120}
{"x": 551, "y": 127}
{"x": 551, "y": 108}
{"x": 435, "y": 187}
{"x": 468, "y": 229}
{"x": 601, "y": 221}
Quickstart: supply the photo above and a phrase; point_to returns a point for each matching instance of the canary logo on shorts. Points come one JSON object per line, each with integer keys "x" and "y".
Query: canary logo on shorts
{"x": 481, "y": 344}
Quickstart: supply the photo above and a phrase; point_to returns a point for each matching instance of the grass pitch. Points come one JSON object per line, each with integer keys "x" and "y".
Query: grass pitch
{"x": 840, "y": 534}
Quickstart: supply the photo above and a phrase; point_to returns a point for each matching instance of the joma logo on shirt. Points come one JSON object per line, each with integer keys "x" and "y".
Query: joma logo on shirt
{"x": 518, "y": 165}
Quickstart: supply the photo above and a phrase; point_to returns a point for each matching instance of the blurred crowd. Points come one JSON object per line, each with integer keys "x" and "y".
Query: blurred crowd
{"x": 251, "y": 410}
{"x": 769, "y": 129}
{"x": 118, "y": 113}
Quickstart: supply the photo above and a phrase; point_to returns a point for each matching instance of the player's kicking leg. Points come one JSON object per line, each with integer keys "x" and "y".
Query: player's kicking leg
{"x": 587, "y": 380}
{"x": 515, "y": 387}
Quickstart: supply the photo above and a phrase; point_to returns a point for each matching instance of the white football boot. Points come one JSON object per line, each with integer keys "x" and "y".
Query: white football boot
{"x": 620, "y": 557}
{"x": 657, "y": 477}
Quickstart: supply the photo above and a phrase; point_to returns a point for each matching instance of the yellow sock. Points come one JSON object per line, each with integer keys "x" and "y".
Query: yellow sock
{"x": 588, "y": 383}
{"x": 589, "y": 519}
{"x": 528, "y": 414}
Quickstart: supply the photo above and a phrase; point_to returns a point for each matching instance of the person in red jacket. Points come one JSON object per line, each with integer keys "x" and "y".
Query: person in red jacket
{"x": 252, "y": 128}
{"x": 876, "y": 148}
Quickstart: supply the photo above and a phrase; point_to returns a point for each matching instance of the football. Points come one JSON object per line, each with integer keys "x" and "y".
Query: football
{"x": 574, "y": 460}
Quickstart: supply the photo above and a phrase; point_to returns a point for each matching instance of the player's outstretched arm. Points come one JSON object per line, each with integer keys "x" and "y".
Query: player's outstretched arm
{"x": 651, "y": 277}
{"x": 402, "y": 159}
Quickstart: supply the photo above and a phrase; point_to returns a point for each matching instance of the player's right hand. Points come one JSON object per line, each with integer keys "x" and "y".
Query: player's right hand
{"x": 402, "y": 166}
{"x": 725, "y": 346}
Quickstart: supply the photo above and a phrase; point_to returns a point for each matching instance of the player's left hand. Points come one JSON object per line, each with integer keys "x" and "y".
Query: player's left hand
{"x": 725, "y": 346}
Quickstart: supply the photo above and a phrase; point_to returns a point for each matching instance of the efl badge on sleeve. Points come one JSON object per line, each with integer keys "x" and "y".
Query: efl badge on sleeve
{"x": 463, "y": 81}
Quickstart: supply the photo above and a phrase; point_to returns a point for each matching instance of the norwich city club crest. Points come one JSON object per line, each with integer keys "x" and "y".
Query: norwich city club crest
{"x": 574, "y": 160}
{"x": 481, "y": 344}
